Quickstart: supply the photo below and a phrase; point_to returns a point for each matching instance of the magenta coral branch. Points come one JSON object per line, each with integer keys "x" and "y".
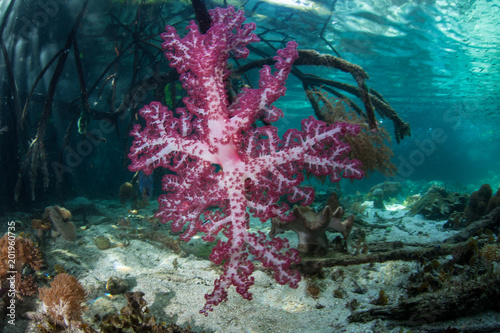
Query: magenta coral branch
{"x": 255, "y": 103}
{"x": 222, "y": 167}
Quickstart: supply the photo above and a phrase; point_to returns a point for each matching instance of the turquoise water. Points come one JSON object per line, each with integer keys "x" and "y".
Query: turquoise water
{"x": 74, "y": 73}
{"x": 435, "y": 62}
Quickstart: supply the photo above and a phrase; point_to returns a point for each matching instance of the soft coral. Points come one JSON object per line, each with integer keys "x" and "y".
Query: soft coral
{"x": 221, "y": 164}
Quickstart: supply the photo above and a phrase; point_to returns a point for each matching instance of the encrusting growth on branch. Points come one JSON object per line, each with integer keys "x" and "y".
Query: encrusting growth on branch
{"x": 371, "y": 148}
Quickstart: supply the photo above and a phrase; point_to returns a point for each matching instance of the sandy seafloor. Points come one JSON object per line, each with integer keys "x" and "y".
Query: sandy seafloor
{"x": 175, "y": 284}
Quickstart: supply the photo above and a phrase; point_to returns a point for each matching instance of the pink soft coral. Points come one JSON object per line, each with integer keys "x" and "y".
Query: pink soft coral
{"x": 221, "y": 165}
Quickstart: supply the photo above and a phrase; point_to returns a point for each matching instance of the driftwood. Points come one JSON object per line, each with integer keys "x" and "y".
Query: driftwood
{"x": 490, "y": 221}
{"x": 484, "y": 327}
{"x": 474, "y": 295}
{"x": 387, "y": 251}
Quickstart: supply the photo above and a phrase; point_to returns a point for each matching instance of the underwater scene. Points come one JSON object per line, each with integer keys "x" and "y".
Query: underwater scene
{"x": 249, "y": 166}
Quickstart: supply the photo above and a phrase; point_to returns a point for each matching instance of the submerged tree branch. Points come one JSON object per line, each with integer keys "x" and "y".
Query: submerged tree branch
{"x": 8, "y": 64}
{"x": 369, "y": 97}
{"x": 35, "y": 158}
